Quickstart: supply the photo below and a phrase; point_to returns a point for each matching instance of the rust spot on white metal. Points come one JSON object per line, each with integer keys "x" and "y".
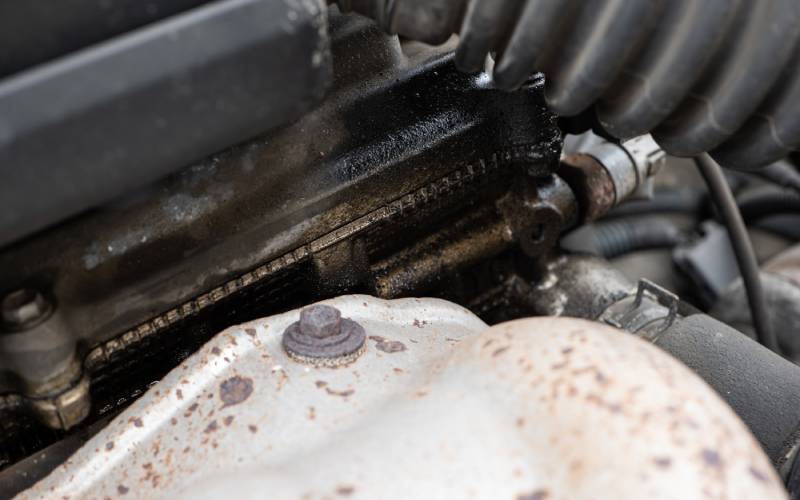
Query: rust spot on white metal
{"x": 538, "y": 409}
{"x": 235, "y": 390}
{"x": 534, "y": 495}
{"x": 388, "y": 346}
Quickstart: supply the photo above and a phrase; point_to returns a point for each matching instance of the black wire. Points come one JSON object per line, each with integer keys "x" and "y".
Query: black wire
{"x": 721, "y": 195}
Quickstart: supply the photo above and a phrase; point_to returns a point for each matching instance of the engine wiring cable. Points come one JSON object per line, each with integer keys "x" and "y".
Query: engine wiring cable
{"x": 722, "y": 197}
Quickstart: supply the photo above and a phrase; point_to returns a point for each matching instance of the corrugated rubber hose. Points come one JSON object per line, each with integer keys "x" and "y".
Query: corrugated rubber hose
{"x": 620, "y": 237}
{"x": 718, "y": 76}
{"x": 614, "y": 238}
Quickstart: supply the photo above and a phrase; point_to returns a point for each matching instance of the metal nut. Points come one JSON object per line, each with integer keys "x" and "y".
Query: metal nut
{"x": 66, "y": 409}
{"x": 320, "y": 321}
{"x": 24, "y": 308}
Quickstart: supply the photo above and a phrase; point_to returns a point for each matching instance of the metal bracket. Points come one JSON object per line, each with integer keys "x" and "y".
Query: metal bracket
{"x": 638, "y": 317}
{"x": 663, "y": 296}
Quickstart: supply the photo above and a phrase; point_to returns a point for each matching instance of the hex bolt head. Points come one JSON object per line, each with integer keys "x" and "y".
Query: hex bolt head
{"x": 24, "y": 308}
{"x": 66, "y": 409}
{"x": 322, "y": 337}
{"x": 320, "y": 321}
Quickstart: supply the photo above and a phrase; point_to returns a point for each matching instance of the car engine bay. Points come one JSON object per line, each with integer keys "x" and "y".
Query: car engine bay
{"x": 400, "y": 249}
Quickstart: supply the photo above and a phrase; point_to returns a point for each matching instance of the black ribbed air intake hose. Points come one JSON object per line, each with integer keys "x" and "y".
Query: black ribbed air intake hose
{"x": 760, "y": 203}
{"x": 611, "y": 239}
{"x": 719, "y": 76}
{"x": 620, "y": 237}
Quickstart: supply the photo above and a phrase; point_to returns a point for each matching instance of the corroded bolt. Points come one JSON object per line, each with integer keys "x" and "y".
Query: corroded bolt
{"x": 24, "y": 308}
{"x": 67, "y": 409}
{"x": 323, "y": 337}
{"x": 320, "y": 321}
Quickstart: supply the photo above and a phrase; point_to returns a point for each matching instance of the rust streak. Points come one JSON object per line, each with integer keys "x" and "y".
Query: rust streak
{"x": 343, "y": 394}
{"x": 499, "y": 351}
{"x": 662, "y": 462}
{"x": 211, "y": 427}
{"x": 190, "y": 410}
{"x": 385, "y": 345}
{"x": 534, "y": 495}
{"x": 345, "y": 490}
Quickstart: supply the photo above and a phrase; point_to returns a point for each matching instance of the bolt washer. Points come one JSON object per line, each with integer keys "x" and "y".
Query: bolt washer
{"x": 341, "y": 347}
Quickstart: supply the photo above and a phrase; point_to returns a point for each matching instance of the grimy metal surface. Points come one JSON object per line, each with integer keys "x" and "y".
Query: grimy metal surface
{"x": 84, "y": 128}
{"x": 404, "y": 147}
{"x": 399, "y": 130}
{"x": 344, "y": 259}
{"x": 438, "y": 406}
